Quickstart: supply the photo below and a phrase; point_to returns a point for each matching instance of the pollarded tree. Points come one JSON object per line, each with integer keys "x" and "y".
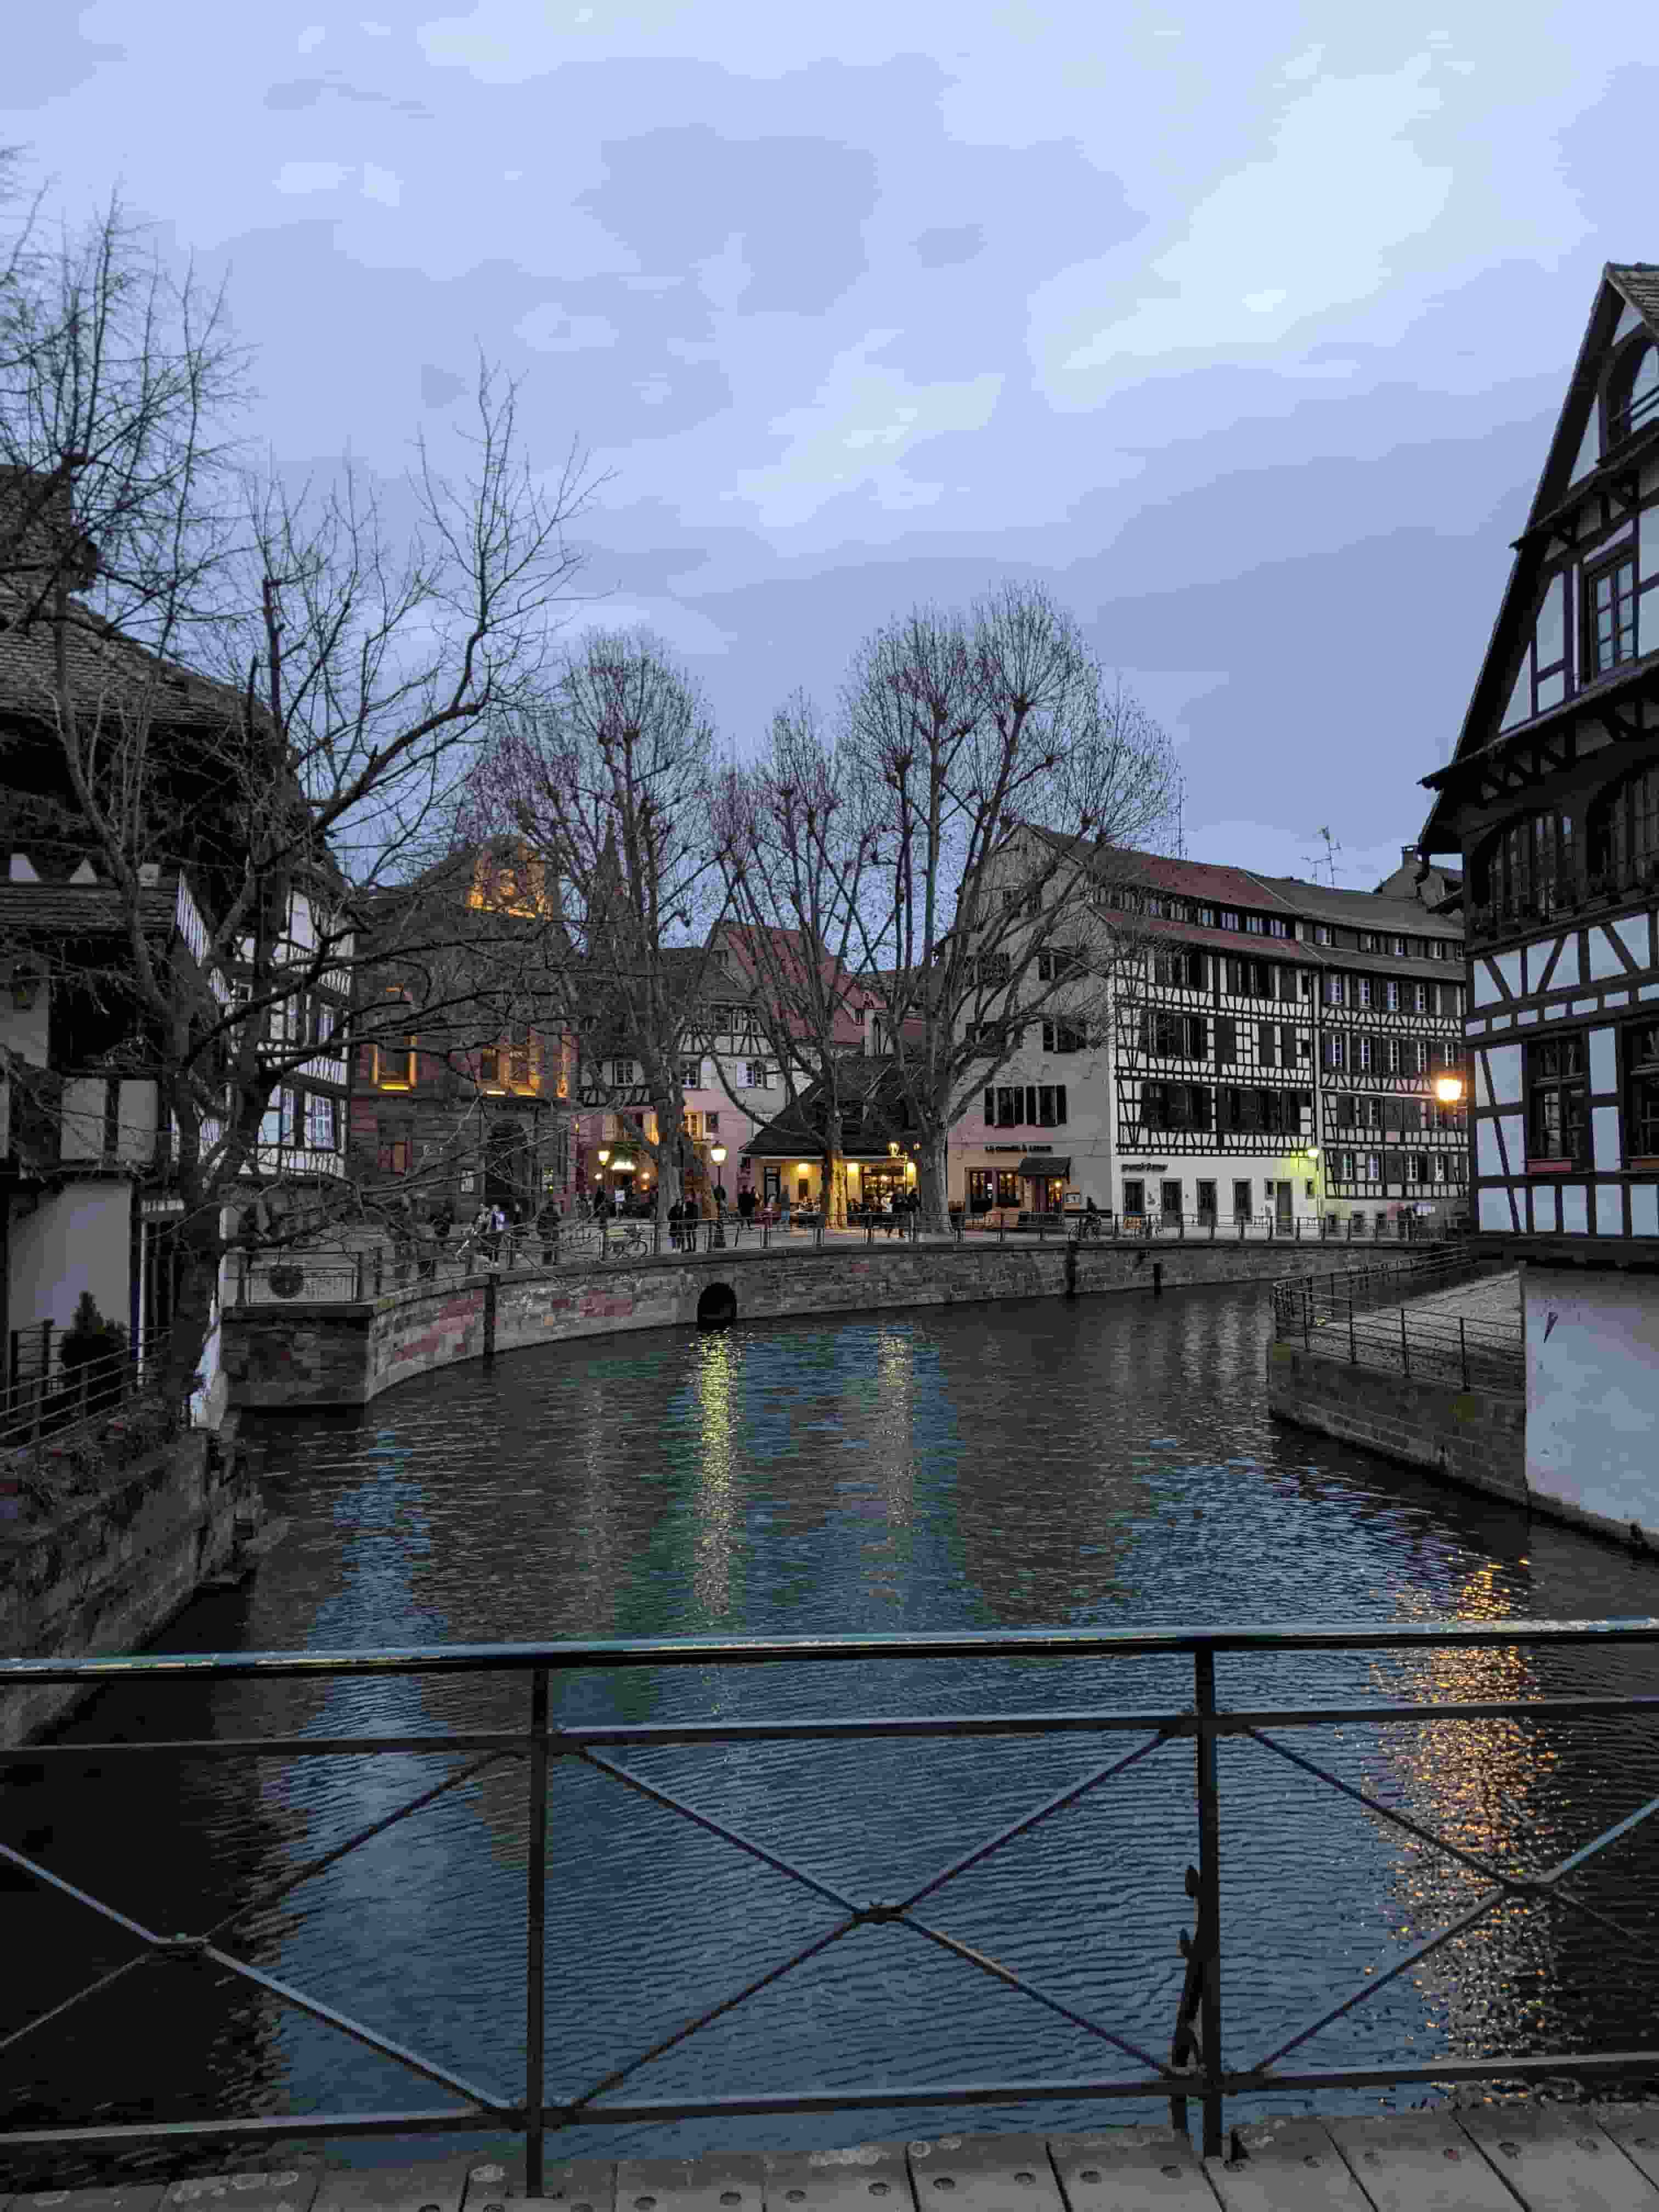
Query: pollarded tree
{"x": 604, "y": 774}
{"x": 800, "y": 831}
{"x": 1015, "y": 781}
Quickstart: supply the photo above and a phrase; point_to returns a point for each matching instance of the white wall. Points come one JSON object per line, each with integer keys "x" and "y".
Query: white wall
{"x": 1593, "y": 1390}
{"x": 76, "y": 1239}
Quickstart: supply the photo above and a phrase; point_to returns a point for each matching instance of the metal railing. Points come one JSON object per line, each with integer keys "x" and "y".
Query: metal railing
{"x": 1197, "y": 2066}
{"x": 50, "y": 1397}
{"x": 1362, "y": 1318}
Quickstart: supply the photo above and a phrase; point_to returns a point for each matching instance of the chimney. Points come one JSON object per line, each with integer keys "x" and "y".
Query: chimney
{"x": 37, "y": 535}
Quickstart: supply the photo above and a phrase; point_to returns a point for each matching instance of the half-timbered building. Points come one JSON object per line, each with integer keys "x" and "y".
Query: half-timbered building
{"x": 1552, "y": 796}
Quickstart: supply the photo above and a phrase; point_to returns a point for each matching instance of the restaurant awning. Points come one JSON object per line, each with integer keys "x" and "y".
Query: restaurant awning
{"x": 1046, "y": 1163}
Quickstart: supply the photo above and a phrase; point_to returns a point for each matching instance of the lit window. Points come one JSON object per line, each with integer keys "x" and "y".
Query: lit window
{"x": 394, "y": 1060}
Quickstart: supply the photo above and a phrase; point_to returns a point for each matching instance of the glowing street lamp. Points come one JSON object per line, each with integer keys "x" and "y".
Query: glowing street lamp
{"x": 1448, "y": 1090}
{"x": 717, "y": 1153}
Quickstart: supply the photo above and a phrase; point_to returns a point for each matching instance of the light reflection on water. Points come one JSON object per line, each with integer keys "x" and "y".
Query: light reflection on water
{"x": 1109, "y": 1462}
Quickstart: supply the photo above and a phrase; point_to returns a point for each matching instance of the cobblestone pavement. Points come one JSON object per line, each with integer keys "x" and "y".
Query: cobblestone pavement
{"x": 1487, "y": 1353}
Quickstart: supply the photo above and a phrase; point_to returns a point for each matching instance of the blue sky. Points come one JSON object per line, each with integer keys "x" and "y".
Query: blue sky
{"x": 1242, "y": 327}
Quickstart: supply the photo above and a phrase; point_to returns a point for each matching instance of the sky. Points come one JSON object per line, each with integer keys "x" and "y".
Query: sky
{"x": 1242, "y": 328}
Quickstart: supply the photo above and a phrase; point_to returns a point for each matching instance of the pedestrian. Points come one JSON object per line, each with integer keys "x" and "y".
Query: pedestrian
{"x": 548, "y": 1221}
{"x": 617, "y": 1201}
{"x": 889, "y": 1219}
{"x": 746, "y": 1204}
{"x": 783, "y": 1211}
{"x": 676, "y": 1215}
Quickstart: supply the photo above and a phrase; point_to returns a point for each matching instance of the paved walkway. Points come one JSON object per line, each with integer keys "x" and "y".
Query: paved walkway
{"x": 1488, "y": 2158}
{"x": 1468, "y": 1334}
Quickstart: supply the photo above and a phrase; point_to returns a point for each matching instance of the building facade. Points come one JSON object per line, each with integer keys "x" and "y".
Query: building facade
{"x": 1265, "y": 1048}
{"x": 1551, "y": 801}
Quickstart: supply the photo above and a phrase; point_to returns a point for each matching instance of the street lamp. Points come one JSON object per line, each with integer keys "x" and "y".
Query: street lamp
{"x": 1448, "y": 1090}
{"x": 717, "y": 1153}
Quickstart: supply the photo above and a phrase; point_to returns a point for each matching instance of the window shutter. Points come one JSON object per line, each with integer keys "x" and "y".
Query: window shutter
{"x": 991, "y": 1109}
{"x": 1059, "y": 1105}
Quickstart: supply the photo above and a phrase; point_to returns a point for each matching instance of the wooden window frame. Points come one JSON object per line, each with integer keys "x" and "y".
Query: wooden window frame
{"x": 1623, "y": 555}
{"x": 1539, "y": 1083}
{"x": 1639, "y": 1135}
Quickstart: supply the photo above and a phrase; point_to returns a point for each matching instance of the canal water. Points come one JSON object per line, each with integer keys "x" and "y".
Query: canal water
{"x": 1107, "y": 1462}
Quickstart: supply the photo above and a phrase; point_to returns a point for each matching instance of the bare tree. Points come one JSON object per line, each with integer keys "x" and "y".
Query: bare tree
{"x": 800, "y": 831}
{"x": 263, "y": 704}
{"x": 605, "y": 775}
{"x": 1013, "y": 777}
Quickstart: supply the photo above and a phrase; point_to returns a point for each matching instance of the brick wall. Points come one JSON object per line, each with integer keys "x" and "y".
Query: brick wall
{"x": 1477, "y": 1437}
{"x": 283, "y": 1359}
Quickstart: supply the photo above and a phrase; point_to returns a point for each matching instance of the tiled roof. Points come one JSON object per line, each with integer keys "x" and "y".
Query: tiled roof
{"x": 81, "y": 909}
{"x": 1640, "y": 283}
{"x": 107, "y": 672}
{"x": 1400, "y": 917}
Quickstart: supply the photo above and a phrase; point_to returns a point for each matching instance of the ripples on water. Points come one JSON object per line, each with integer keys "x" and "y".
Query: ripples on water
{"x": 1110, "y": 1462}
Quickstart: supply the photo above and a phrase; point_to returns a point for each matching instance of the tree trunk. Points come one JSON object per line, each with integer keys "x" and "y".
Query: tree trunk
{"x": 931, "y": 1182}
{"x": 194, "y": 1305}
{"x": 834, "y": 1177}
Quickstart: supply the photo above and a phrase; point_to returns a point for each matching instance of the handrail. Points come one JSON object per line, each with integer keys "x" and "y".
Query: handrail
{"x": 1196, "y": 2068}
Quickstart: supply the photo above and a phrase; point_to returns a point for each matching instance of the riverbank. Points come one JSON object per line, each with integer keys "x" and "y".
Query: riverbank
{"x": 305, "y": 1355}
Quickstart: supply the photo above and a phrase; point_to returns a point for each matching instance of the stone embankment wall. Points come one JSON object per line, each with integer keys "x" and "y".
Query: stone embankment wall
{"x": 111, "y": 1568}
{"x": 1477, "y": 1437}
{"x": 285, "y": 1358}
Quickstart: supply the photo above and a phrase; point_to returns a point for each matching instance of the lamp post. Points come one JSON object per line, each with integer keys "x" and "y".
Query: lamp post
{"x": 604, "y": 1155}
{"x": 1448, "y": 1090}
{"x": 717, "y": 1153}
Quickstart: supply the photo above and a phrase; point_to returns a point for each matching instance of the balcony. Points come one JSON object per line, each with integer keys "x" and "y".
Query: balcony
{"x": 1488, "y": 921}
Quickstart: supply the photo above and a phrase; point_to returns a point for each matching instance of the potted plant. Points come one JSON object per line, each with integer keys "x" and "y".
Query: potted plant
{"x": 90, "y": 1358}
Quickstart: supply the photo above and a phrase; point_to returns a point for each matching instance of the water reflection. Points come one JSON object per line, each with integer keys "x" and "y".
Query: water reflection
{"x": 1109, "y": 1462}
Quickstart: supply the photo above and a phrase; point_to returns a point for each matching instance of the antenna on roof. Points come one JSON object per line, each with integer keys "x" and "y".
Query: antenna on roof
{"x": 1180, "y": 817}
{"x": 1332, "y": 849}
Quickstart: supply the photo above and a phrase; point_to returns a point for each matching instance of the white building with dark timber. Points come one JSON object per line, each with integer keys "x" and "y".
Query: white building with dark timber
{"x": 1552, "y": 796}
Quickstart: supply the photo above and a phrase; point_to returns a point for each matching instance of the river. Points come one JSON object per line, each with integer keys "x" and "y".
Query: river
{"x": 1106, "y": 1462}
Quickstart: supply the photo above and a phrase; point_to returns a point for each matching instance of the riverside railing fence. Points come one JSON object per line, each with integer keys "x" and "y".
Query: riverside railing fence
{"x": 1364, "y": 1319}
{"x": 1199, "y": 2065}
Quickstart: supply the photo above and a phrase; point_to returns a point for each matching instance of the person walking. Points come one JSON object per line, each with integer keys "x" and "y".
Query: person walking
{"x": 783, "y": 1210}
{"x": 746, "y": 1205}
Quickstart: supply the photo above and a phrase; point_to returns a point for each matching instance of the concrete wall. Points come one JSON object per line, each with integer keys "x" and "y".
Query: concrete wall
{"x": 286, "y": 1357}
{"x": 1475, "y": 1437}
{"x": 117, "y": 1564}
{"x": 1592, "y": 1341}
{"x": 77, "y": 1238}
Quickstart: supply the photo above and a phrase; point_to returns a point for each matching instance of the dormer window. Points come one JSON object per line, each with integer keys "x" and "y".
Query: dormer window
{"x": 1633, "y": 394}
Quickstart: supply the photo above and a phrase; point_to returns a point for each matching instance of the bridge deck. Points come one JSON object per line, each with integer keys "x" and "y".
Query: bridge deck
{"x": 1544, "y": 2158}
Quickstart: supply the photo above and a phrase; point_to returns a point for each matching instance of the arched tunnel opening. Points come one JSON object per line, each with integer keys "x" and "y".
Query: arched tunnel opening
{"x": 718, "y": 1306}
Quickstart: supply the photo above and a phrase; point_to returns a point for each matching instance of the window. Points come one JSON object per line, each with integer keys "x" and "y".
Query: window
{"x": 624, "y": 1074}
{"x": 1277, "y": 926}
{"x": 1172, "y": 1037}
{"x": 1254, "y": 924}
{"x": 1226, "y": 1038}
{"x": 992, "y": 970}
{"x": 711, "y": 1125}
{"x": 522, "y": 1053}
{"x": 758, "y": 1076}
{"x": 1051, "y": 1106}
{"x": 1206, "y": 1202}
{"x": 1623, "y": 832}
{"x": 1178, "y": 970}
{"x": 1321, "y": 933}
{"x": 320, "y": 1123}
{"x": 1336, "y": 1050}
{"x": 1063, "y": 1037}
{"x": 1641, "y": 1055}
{"x": 394, "y": 1060}
{"x": 1362, "y": 986}
{"x": 1416, "y": 1168}
{"x": 1557, "y": 1123}
{"x": 394, "y": 1149}
{"x": 1399, "y": 948}
{"x": 1176, "y": 1106}
{"x": 1610, "y": 615}
{"x": 1241, "y": 1201}
{"x": 989, "y": 1187}
{"x": 1419, "y": 997}
{"x": 1041, "y": 1105}
{"x": 1060, "y": 962}
{"x": 1206, "y": 917}
{"x": 1528, "y": 867}
{"x": 1229, "y": 919}
{"x": 1391, "y": 996}
{"x": 1368, "y": 942}
{"x": 691, "y": 1075}
{"x": 1335, "y": 991}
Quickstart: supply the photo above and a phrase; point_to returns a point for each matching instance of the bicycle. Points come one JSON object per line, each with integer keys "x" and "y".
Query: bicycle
{"x": 630, "y": 1241}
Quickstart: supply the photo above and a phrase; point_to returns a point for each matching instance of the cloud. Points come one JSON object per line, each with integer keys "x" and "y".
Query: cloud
{"x": 946, "y": 247}
{"x": 439, "y": 386}
{"x": 549, "y": 328}
{"x": 300, "y": 177}
{"x": 311, "y": 37}
{"x": 381, "y": 184}
{"x": 865, "y": 418}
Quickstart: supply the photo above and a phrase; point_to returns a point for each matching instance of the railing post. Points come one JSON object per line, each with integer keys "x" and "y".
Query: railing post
{"x": 361, "y": 1286}
{"x": 1353, "y": 1355}
{"x": 535, "y": 2086}
{"x": 1405, "y": 1353}
{"x": 1463, "y": 1349}
{"x": 1209, "y": 1896}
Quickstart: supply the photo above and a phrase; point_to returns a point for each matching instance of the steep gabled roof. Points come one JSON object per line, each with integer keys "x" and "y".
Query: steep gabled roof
{"x": 1628, "y": 292}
